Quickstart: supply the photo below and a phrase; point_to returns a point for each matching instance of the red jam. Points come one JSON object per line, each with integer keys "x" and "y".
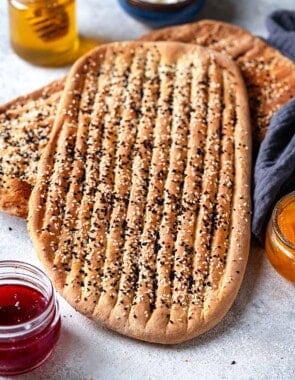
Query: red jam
{"x": 19, "y": 304}
{"x": 29, "y": 319}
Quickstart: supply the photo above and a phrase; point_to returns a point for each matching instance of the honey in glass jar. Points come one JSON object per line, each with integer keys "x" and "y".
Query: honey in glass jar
{"x": 280, "y": 237}
{"x": 44, "y": 32}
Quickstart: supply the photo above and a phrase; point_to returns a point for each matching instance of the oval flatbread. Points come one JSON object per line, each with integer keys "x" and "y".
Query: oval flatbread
{"x": 140, "y": 213}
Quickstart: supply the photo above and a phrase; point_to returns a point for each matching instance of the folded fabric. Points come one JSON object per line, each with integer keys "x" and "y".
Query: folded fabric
{"x": 274, "y": 171}
{"x": 281, "y": 27}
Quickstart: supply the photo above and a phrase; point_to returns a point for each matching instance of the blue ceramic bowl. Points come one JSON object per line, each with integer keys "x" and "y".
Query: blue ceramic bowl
{"x": 159, "y": 14}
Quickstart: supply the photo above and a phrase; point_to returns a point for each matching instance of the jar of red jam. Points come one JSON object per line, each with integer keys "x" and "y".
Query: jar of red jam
{"x": 29, "y": 317}
{"x": 280, "y": 237}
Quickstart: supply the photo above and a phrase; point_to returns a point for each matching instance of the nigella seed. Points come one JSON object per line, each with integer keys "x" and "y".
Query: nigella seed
{"x": 140, "y": 191}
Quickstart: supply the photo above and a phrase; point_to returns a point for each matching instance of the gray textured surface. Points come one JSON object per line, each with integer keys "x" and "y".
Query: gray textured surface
{"x": 258, "y": 333}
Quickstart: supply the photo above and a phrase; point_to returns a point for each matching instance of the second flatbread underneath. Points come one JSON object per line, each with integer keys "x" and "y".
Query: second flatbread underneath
{"x": 25, "y": 125}
{"x": 140, "y": 213}
{"x": 269, "y": 76}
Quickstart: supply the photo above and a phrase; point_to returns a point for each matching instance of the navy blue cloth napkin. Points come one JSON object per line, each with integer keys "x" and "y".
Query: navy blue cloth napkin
{"x": 274, "y": 171}
{"x": 281, "y": 27}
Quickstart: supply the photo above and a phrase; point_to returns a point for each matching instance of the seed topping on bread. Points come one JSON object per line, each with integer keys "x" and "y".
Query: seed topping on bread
{"x": 141, "y": 209}
{"x": 25, "y": 125}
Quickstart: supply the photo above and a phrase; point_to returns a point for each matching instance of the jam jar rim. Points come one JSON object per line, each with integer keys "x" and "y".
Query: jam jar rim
{"x": 49, "y": 314}
{"x": 276, "y": 227}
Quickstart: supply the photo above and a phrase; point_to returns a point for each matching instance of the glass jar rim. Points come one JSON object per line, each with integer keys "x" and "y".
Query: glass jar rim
{"x": 22, "y": 270}
{"x": 277, "y": 229}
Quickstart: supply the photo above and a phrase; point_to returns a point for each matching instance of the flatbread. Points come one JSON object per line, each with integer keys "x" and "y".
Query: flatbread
{"x": 269, "y": 76}
{"x": 25, "y": 125}
{"x": 140, "y": 212}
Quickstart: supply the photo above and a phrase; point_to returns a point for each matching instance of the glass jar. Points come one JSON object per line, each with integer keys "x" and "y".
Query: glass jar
{"x": 280, "y": 237}
{"x": 44, "y": 32}
{"x": 29, "y": 317}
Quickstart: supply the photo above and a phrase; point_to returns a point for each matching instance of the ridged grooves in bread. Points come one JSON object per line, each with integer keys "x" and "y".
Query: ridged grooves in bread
{"x": 25, "y": 125}
{"x": 269, "y": 76}
{"x": 140, "y": 213}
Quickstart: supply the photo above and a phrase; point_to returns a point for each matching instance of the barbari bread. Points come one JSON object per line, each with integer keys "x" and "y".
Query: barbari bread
{"x": 25, "y": 125}
{"x": 269, "y": 76}
{"x": 140, "y": 213}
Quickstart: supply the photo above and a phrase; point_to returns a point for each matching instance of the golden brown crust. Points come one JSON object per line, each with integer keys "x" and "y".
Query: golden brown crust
{"x": 140, "y": 213}
{"x": 14, "y": 197}
{"x": 269, "y": 76}
{"x": 25, "y": 124}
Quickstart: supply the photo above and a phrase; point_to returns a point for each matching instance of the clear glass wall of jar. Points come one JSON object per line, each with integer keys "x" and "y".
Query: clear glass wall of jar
{"x": 29, "y": 317}
{"x": 44, "y": 32}
{"x": 280, "y": 237}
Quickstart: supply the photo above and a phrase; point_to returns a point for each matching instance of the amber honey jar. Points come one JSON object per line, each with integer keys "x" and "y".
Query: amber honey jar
{"x": 44, "y": 32}
{"x": 280, "y": 237}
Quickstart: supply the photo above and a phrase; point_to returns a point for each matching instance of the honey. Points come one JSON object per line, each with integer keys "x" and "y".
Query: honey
{"x": 280, "y": 237}
{"x": 44, "y": 32}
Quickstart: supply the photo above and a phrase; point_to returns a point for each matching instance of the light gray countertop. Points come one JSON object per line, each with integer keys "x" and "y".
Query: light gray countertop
{"x": 256, "y": 340}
